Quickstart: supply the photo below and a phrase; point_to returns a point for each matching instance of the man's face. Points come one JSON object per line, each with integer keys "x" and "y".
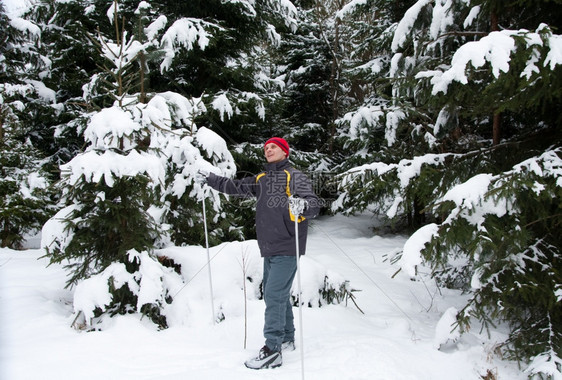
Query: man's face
{"x": 273, "y": 153}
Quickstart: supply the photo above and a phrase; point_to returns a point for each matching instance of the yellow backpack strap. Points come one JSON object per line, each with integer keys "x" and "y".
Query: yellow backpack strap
{"x": 288, "y": 191}
{"x": 259, "y": 176}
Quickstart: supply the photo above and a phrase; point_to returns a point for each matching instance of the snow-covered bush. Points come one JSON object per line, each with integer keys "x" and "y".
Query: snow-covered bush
{"x": 142, "y": 285}
{"x": 320, "y": 286}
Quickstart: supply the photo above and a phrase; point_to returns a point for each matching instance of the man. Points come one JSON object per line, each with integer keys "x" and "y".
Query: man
{"x": 275, "y": 229}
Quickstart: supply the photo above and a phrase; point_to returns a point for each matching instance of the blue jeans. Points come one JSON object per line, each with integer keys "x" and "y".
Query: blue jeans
{"x": 278, "y": 275}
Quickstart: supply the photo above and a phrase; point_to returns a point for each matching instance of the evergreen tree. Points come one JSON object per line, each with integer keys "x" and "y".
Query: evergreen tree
{"x": 143, "y": 151}
{"x": 24, "y": 183}
{"x": 386, "y": 124}
{"x": 69, "y": 59}
{"x": 231, "y": 71}
{"x": 309, "y": 62}
{"x": 500, "y": 240}
{"x": 467, "y": 86}
{"x": 63, "y": 41}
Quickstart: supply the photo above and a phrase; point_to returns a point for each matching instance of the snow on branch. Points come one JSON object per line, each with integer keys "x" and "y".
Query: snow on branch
{"x": 93, "y": 165}
{"x": 274, "y": 37}
{"x": 473, "y": 14}
{"x": 546, "y": 364}
{"x": 169, "y": 109}
{"x": 365, "y": 176}
{"x": 228, "y": 103}
{"x": 211, "y": 143}
{"x": 472, "y": 202}
{"x": 112, "y": 11}
{"x": 442, "y": 18}
{"x": 349, "y": 8}
{"x": 288, "y": 11}
{"x": 8, "y": 89}
{"x": 247, "y": 5}
{"x": 374, "y": 116}
{"x": 108, "y": 126}
{"x": 222, "y": 104}
{"x": 155, "y": 27}
{"x": 496, "y": 49}
{"x": 472, "y": 198}
{"x": 547, "y": 164}
{"x": 406, "y": 169}
{"x": 25, "y": 26}
{"x": 405, "y": 25}
{"x": 205, "y": 150}
{"x": 554, "y": 56}
{"x": 186, "y": 32}
{"x": 411, "y": 256}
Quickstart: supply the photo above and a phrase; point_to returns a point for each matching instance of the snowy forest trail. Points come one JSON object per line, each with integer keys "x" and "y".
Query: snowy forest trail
{"x": 393, "y": 339}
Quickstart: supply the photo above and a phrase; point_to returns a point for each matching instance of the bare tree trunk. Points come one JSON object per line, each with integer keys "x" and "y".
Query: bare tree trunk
{"x": 496, "y": 125}
{"x": 142, "y": 64}
{"x": 494, "y": 23}
{"x": 1, "y": 126}
{"x": 496, "y": 128}
{"x": 334, "y": 79}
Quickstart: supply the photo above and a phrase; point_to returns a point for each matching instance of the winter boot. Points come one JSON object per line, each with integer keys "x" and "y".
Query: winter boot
{"x": 265, "y": 359}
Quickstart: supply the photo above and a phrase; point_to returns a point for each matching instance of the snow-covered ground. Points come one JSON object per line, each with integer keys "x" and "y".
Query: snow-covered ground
{"x": 395, "y": 338}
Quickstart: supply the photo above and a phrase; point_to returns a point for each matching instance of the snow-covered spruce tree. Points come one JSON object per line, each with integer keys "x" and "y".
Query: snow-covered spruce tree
{"x": 308, "y": 61}
{"x": 385, "y": 129}
{"x": 24, "y": 183}
{"x": 500, "y": 240}
{"x": 234, "y": 76}
{"x": 66, "y": 40}
{"x": 231, "y": 72}
{"x": 474, "y": 100}
{"x": 69, "y": 59}
{"x": 402, "y": 118}
{"x": 504, "y": 244}
{"x": 25, "y": 196}
{"x": 467, "y": 74}
{"x": 142, "y": 150}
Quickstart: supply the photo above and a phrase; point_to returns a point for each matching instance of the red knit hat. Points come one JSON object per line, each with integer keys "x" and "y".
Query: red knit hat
{"x": 280, "y": 142}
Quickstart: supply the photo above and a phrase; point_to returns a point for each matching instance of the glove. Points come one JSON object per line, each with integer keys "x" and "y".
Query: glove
{"x": 200, "y": 177}
{"x": 297, "y": 205}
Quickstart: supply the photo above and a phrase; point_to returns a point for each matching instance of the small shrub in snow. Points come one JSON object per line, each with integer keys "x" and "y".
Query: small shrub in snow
{"x": 320, "y": 286}
{"x": 142, "y": 285}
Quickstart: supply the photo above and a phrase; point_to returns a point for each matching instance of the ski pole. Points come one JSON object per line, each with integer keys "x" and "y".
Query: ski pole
{"x": 208, "y": 261}
{"x": 299, "y": 290}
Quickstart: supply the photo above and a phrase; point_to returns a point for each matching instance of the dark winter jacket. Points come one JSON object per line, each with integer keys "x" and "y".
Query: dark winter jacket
{"x": 272, "y": 187}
